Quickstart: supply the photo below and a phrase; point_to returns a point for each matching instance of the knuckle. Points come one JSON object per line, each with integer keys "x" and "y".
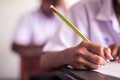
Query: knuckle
{"x": 98, "y": 60}
{"x": 96, "y": 66}
{"x": 101, "y": 49}
{"x": 83, "y": 43}
{"x": 80, "y": 60}
{"x": 80, "y": 51}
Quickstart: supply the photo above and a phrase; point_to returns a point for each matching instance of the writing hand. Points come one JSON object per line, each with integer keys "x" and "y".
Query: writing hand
{"x": 87, "y": 55}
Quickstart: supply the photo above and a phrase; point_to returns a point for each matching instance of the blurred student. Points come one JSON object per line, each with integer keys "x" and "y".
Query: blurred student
{"x": 36, "y": 28}
{"x": 99, "y": 21}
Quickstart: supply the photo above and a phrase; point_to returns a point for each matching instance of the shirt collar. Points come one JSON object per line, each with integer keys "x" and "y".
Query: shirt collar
{"x": 106, "y": 11}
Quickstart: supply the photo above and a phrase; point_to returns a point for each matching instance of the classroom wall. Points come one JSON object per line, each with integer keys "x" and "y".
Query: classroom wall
{"x": 10, "y": 13}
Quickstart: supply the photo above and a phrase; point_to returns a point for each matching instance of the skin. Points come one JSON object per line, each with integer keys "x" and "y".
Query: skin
{"x": 115, "y": 51}
{"x": 115, "y": 48}
{"x": 28, "y": 50}
{"x": 45, "y": 7}
{"x": 86, "y": 55}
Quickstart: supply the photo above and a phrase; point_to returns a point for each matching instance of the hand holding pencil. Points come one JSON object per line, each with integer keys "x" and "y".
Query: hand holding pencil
{"x": 74, "y": 28}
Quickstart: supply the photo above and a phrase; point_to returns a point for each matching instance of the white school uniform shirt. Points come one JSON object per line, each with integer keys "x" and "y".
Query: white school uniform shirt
{"x": 35, "y": 27}
{"x": 96, "y": 19}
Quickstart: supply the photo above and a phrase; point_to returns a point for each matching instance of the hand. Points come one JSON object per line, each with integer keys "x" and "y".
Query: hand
{"x": 115, "y": 51}
{"x": 87, "y": 55}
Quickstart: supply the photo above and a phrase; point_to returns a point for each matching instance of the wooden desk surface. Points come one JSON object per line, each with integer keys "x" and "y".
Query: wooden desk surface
{"x": 70, "y": 74}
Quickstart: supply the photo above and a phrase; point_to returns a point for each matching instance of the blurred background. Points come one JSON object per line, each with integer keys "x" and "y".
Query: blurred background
{"x": 10, "y": 13}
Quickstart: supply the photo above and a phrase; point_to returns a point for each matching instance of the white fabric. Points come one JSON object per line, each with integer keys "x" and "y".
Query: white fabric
{"x": 96, "y": 19}
{"x": 35, "y": 27}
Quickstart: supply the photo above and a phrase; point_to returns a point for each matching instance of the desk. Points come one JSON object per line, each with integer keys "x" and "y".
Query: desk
{"x": 69, "y": 74}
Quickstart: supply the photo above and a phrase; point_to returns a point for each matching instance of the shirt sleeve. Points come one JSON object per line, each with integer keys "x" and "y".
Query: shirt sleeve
{"x": 23, "y": 31}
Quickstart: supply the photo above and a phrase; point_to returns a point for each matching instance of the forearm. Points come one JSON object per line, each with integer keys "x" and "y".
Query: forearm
{"x": 27, "y": 49}
{"x": 53, "y": 60}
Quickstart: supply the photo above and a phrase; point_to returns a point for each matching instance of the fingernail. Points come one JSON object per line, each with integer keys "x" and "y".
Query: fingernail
{"x": 107, "y": 60}
{"x": 112, "y": 58}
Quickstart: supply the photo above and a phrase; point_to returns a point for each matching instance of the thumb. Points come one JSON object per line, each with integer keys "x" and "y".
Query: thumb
{"x": 107, "y": 53}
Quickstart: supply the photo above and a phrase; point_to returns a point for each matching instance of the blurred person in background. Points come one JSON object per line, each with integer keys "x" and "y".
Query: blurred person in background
{"x": 99, "y": 21}
{"x": 35, "y": 29}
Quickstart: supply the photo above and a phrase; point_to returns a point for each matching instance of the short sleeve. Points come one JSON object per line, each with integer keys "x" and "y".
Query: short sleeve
{"x": 23, "y": 31}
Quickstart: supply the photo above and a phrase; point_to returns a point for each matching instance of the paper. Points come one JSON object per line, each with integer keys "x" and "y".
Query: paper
{"x": 112, "y": 69}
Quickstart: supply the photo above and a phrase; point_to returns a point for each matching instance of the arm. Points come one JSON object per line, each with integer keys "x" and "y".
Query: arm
{"x": 86, "y": 55}
{"x": 27, "y": 50}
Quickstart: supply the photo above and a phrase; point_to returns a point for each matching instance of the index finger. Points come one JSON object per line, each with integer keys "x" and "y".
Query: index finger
{"x": 95, "y": 48}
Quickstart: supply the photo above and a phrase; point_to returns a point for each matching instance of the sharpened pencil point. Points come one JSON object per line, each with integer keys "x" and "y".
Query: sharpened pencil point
{"x": 51, "y": 6}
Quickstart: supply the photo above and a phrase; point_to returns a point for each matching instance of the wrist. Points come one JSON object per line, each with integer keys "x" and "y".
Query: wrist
{"x": 67, "y": 56}
{"x": 64, "y": 58}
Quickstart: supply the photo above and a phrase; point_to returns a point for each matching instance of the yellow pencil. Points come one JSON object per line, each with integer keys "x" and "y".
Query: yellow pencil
{"x": 71, "y": 25}
{"x": 68, "y": 23}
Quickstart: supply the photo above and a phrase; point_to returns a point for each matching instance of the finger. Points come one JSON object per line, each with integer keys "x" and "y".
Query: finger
{"x": 112, "y": 46}
{"x": 119, "y": 59}
{"x": 107, "y": 54}
{"x": 87, "y": 64}
{"x": 95, "y": 48}
{"x": 118, "y": 55}
{"x": 116, "y": 58}
{"x": 115, "y": 51}
{"x": 91, "y": 57}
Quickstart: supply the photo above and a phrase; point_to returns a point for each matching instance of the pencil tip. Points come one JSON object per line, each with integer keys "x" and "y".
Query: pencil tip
{"x": 51, "y": 6}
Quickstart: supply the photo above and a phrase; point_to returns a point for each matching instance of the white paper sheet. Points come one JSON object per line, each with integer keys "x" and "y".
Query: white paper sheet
{"x": 112, "y": 69}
